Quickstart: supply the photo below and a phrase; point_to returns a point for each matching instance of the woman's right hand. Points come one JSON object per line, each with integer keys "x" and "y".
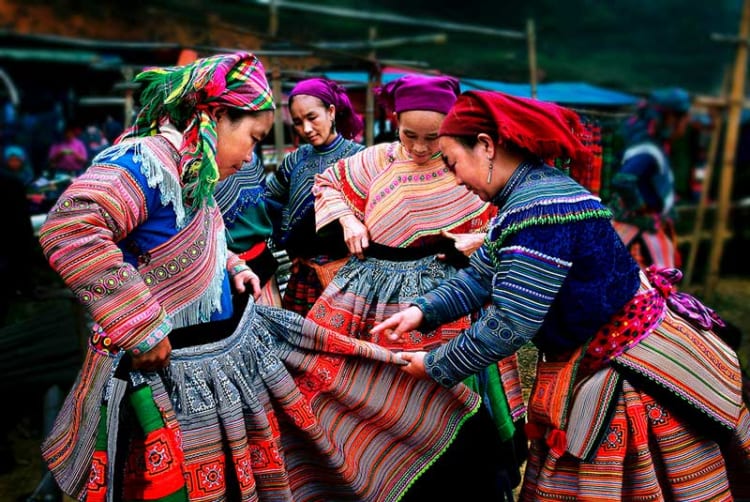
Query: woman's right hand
{"x": 155, "y": 359}
{"x": 399, "y": 323}
{"x": 355, "y": 234}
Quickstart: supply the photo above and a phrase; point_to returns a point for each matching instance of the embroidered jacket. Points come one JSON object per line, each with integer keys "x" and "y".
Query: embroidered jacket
{"x": 292, "y": 205}
{"x": 552, "y": 269}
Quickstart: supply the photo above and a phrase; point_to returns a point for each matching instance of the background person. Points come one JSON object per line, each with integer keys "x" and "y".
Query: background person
{"x": 68, "y": 155}
{"x": 249, "y": 226}
{"x": 635, "y": 395}
{"x": 323, "y": 117}
{"x": 645, "y": 182}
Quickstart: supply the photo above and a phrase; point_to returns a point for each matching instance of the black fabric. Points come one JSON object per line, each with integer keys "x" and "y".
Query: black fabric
{"x": 264, "y": 265}
{"x": 199, "y": 334}
{"x": 444, "y": 246}
{"x": 478, "y": 466}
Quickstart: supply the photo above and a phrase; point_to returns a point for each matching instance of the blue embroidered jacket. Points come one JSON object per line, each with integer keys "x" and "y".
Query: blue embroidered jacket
{"x": 552, "y": 270}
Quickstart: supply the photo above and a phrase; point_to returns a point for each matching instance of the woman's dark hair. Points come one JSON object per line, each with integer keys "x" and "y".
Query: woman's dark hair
{"x": 470, "y": 141}
{"x": 236, "y": 114}
{"x": 322, "y": 101}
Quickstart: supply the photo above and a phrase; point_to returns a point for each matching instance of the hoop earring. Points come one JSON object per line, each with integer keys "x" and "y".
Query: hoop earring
{"x": 489, "y": 171}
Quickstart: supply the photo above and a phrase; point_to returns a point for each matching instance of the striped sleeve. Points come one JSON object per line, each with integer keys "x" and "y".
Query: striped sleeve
{"x": 79, "y": 240}
{"x": 523, "y": 289}
{"x": 343, "y": 187}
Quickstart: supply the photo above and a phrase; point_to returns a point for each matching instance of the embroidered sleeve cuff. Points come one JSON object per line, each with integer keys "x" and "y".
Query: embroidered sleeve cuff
{"x": 158, "y": 334}
{"x": 235, "y": 264}
{"x": 429, "y": 321}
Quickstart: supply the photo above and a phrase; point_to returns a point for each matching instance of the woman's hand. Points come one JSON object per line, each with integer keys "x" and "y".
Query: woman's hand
{"x": 399, "y": 323}
{"x": 355, "y": 234}
{"x": 466, "y": 243}
{"x": 155, "y": 359}
{"x": 242, "y": 278}
{"x": 416, "y": 364}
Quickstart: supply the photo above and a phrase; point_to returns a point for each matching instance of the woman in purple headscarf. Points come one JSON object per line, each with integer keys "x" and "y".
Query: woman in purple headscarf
{"x": 325, "y": 119}
{"x": 409, "y": 225}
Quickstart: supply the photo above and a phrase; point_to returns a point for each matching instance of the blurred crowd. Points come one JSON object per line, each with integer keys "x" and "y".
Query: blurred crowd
{"x": 45, "y": 151}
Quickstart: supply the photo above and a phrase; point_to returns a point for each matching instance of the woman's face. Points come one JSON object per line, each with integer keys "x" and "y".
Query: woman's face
{"x": 312, "y": 120}
{"x": 235, "y": 140}
{"x": 469, "y": 165}
{"x": 418, "y": 132}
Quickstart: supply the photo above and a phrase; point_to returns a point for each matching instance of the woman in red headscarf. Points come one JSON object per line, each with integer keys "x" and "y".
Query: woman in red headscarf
{"x": 635, "y": 397}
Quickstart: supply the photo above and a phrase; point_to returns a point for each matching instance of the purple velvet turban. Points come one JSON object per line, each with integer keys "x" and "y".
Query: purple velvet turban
{"x": 420, "y": 92}
{"x": 348, "y": 123}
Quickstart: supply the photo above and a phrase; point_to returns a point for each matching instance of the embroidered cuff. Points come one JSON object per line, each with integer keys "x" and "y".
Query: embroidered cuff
{"x": 429, "y": 321}
{"x": 235, "y": 264}
{"x": 156, "y": 336}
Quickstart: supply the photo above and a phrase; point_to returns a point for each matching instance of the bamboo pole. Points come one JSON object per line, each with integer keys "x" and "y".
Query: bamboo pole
{"x": 372, "y": 80}
{"x": 531, "y": 44}
{"x": 730, "y": 149}
{"x": 278, "y": 118}
{"x": 700, "y": 214}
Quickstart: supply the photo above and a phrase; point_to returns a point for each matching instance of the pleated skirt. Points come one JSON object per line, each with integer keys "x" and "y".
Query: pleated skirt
{"x": 285, "y": 410}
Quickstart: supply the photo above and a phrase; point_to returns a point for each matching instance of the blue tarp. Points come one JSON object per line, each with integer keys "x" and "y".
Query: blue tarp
{"x": 565, "y": 93}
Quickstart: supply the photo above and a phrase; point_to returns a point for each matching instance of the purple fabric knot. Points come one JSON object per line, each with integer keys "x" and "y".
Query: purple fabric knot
{"x": 685, "y": 305}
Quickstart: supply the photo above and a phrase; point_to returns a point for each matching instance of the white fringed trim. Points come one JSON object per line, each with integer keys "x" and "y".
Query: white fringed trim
{"x": 157, "y": 175}
{"x": 200, "y": 310}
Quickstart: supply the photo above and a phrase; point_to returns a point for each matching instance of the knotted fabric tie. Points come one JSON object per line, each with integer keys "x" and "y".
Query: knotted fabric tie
{"x": 686, "y": 306}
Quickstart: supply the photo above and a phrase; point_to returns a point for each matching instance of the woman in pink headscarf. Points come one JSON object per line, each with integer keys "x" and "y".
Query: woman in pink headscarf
{"x": 409, "y": 225}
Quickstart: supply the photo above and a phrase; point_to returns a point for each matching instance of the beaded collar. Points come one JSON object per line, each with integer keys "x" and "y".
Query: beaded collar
{"x": 518, "y": 175}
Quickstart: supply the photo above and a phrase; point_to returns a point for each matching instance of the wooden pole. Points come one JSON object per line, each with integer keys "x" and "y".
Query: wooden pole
{"x": 373, "y": 76}
{"x": 129, "y": 102}
{"x": 730, "y": 148}
{"x": 278, "y": 118}
{"x": 531, "y": 44}
{"x": 700, "y": 214}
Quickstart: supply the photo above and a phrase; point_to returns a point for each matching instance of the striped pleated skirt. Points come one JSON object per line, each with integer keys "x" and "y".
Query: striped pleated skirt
{"x": 285, "y": 410}
{"x": 664, "y": 421}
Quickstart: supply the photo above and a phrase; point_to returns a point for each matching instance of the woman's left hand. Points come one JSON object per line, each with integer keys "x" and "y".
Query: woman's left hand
{"x": 154, "y": 359}
{"x": 242, "y": 278}
{"x": 416, "y": 364}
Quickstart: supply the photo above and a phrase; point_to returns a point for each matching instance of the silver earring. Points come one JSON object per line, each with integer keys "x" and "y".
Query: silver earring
{"x": 489, "y": 171}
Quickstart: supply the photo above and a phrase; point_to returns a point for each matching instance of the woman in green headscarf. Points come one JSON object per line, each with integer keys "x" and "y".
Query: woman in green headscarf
{"x": 189, "y": 389}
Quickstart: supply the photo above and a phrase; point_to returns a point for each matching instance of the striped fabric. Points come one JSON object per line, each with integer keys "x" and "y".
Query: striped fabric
{"x": 399, "y": 202}
{"x": 651, "y": 247}
{"x": 647, "y": 452}
{"x": 290, "y": 188}
{"x": 402, "y": 205}
{"x": 296, "y": 412}
{"x": 666, "y": 421}
{"x": 108, "y": 199}
{"x": 177, "y": 282}
{"x": 365, "y": 292}
{"x": 405, "y": 205}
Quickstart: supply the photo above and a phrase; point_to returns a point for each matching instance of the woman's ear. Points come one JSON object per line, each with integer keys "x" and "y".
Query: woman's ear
{"x": 485, "y": 140}
{"x": 220, "y": 112}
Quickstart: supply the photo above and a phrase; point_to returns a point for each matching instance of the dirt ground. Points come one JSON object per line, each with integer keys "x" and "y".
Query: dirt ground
{"x": 731, "y": 301}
